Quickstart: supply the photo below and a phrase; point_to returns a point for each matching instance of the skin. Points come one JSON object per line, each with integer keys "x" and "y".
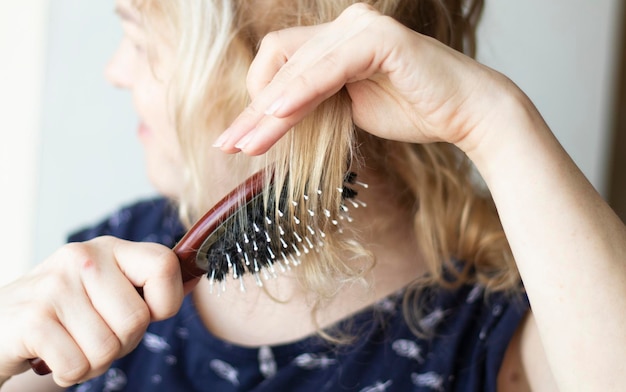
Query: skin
{"x": 570, "y": 248}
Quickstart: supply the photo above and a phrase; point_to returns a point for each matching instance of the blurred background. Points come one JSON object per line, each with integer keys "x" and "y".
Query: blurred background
{"x": 69, "y": 153}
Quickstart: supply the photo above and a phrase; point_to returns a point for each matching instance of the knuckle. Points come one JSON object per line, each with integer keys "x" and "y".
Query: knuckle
{"x": 270, "y": 40}
{"x": 287, "y": 73}
{"x": 252, "y": 110}
{"x": 306, "y": 82}
{"x": 33, "y": 322}
{"x": 167, "y": 264}
{"x": 75, "y": 253}
{"x": 132, "y": 337}
{"x": 135, "y": 324}
{"x": 54, "y": 284}
{"x": 94, "y": 361}
{"x": 165, "y": 287}
{"x": 358, "y": 10}
{"x": 101, "y": 355}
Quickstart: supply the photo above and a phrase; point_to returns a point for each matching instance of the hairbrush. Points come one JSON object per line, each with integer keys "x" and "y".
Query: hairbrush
{"x": 250, "y": 233}
{"x": 246, "y": 233}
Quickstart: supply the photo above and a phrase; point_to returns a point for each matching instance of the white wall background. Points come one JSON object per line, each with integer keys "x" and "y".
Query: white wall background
{"x": 22, "y": 31}
{"x": 562, "y": 53}
{"x": 68, "y": 154}
{"x": 90, "y": 158}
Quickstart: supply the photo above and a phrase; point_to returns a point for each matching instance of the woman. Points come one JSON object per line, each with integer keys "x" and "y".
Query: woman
{"x": 421, "y": 291}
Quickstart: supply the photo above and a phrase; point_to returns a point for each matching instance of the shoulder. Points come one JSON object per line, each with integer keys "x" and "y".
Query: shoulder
{"x": 150, "y": 220}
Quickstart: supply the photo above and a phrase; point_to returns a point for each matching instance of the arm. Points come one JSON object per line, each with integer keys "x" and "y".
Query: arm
{"x": 568, "y": 244}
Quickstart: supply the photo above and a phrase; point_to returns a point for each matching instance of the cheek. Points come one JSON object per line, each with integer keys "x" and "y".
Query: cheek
{"x": 152, "y": 106}
{"x": 164, "y": 158}
{"x": 150, "y": 99}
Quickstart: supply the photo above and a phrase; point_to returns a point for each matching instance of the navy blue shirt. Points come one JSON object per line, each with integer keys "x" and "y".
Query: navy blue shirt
{"x": 467, "y": 334}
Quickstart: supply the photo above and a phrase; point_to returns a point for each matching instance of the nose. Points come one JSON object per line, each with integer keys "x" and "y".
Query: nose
{"x": 119, "y": 70}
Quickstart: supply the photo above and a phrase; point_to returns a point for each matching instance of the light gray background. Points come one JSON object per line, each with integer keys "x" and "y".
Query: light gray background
{"x": 91, "y": 161}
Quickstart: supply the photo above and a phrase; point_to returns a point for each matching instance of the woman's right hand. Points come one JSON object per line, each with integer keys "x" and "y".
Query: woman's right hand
{"x": 80, "y": 309}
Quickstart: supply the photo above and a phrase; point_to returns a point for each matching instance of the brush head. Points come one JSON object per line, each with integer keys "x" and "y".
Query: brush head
{"x": 255, "y": 232}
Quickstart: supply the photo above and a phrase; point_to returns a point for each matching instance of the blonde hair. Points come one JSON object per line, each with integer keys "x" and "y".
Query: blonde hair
{"x": 454, "y": 216}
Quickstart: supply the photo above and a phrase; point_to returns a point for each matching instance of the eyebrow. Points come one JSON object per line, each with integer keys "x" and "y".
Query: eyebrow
{"x": 126, "y": 15}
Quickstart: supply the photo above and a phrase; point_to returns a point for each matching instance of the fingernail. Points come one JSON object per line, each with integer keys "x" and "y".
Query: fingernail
{"x": 219, "y": 142}
{"x": 241, "y": 144}
{"x": 273, "y": 108}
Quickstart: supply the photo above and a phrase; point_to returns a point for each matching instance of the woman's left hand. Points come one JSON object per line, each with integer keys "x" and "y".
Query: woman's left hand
{"x": 403, "y": 85}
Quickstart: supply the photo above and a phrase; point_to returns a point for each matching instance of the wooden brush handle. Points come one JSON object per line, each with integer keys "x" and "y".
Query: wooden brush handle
{"x": 187, "y": 248}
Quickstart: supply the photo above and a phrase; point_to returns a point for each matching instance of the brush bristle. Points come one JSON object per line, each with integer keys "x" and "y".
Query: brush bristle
{"x": 263, "y": 239}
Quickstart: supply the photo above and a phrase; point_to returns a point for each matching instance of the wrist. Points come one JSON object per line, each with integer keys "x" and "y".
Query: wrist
{"x": 511, "y": 130}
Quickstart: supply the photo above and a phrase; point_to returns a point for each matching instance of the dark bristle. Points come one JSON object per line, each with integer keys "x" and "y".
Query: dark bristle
{"x": 350, "y": 178}
{"x": 261, "y": 240}
{"x": 348, "y": 193}
{"x": 248, "y": 249}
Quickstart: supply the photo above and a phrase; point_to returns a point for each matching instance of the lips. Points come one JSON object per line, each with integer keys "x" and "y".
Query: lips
{"x": 143, "y": 131}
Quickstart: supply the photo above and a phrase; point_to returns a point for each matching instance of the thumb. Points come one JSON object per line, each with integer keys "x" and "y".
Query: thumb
{"x": 154, "y": 269}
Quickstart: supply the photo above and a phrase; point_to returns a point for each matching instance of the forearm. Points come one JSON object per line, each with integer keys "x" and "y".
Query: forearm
{"x": 569, "y": 246}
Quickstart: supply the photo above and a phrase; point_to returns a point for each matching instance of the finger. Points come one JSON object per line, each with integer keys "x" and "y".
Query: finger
{"x": 77, "y": 313}
{"x": 275, "y": 50}
{"x": 296, "y": 90}
{"x": 117, "y": 302}
{"x": 286, "y": 54}
{"x": 270, "y": 129}
{"x": 316, "y": 71}
{"x": 51, "y": 342}
{"x": 154, "y": 268}
{"x": 91, "y": 333}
